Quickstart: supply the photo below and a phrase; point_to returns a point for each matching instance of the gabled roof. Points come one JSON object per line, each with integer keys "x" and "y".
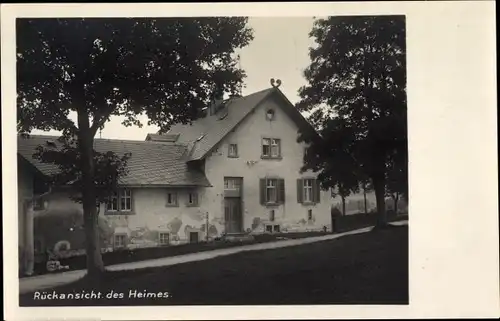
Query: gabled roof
{"x": 151, "y": 163}
{"x": 203, "y": 135}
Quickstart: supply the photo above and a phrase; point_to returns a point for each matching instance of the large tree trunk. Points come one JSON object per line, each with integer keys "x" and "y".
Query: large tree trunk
{"x": 93, "y": 247}
{"x": 95, "y": 265}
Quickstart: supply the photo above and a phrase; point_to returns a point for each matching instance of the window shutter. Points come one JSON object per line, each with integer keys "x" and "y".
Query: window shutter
{"x": 281, "y": 190}
{"x": 195, "y": 200}
{"x": 316, "y": 191}
{"x": 262, "y": 191}
{"x": 300, "y": 190}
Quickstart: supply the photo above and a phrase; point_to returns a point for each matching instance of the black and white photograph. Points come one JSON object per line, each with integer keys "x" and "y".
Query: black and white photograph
{"x": 213, "y": 160}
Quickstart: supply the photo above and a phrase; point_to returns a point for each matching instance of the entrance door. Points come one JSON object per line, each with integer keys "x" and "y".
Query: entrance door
{"x": 232, "y": 214}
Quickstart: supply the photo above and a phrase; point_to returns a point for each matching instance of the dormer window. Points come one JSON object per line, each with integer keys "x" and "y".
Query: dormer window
{"x": 270, "y": 114}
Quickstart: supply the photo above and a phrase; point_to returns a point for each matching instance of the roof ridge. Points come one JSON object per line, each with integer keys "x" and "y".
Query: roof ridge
{"x": 108, "y": 139}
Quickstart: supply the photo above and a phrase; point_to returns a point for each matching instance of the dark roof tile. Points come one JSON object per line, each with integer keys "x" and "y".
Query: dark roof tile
{"x": 151, "y": 163}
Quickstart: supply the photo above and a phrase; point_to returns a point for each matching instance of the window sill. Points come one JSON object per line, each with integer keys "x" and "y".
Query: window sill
{"x": 172, "y": 205}
{"x": 119, "y": 213}
{"x": 272, "y": 157}
{"x": 272, "y": 204}
{"x": 309, "y": 203}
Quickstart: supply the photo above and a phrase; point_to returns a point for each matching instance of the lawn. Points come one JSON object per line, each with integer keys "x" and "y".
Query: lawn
{"x": 345, "y": 223}
{"x": 368, "y": 268}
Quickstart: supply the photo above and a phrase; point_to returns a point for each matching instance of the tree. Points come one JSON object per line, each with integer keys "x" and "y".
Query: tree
{"x": 357, "y": 90}
{"x": 334, "y": 164}
{"x": 397, "y": 179}
{"x": 92, "y": 69}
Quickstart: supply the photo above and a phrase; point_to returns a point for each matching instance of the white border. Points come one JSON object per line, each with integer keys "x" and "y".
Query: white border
{"x": 453, "y": 159}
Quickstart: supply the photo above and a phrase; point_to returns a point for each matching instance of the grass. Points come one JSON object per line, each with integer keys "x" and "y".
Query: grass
{"x": 367, "y": 268}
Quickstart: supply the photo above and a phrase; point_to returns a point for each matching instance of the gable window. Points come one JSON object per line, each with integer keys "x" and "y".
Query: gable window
{"x": 120, "y": 201}
{"x": 271, "y": 148}
{"x": 270, "y": 114}
{"x": 272, "y": 191}
{"x": 308, "y": 191}
{"x": 232, "y": 150}
{"x": 164, "y": 238}
{"x": 172, "y": 198}
{"x": 192, "y": 199}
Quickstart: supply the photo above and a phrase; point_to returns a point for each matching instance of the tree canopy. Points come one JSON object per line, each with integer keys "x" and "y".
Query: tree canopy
{"x": 95, "y": 68}
{"x": 356, "y": 97}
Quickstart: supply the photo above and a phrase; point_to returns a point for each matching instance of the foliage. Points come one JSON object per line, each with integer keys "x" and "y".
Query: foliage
{"x": 109, "y": 167}
{"x": 356, "y": 97}
{"x": 96, "y": 68}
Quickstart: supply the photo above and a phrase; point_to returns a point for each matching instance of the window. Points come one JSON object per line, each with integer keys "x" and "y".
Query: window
{"x": 273, "y": 228}
{"x": 232, "y": 150}
{"x": 120, "y": 240}
{"x": 172, "y": 199}
{"x": 270, "y": 114}
{"x": 164, "y": 238}
{"x": 271, "y": 216}
{"x": 272, "y": 191}
{"x": 231, "y": 183}
{"x": 125, "y": 200}
{"x": 192, "y": 199}
{"x": 275, "y": 147}
{"x": 308, "y": 190}
{"x": 271, "y": 148}
{"x": 310, "y": 215}
{"x": 120, "y": 201}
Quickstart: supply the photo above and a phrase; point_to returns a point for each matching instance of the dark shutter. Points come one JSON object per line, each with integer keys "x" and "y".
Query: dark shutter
{"x": 316, "y": 191}
{"x": 281, "y": 191}
{"x": 262, "y": 191}
{"x": 300, "y": 190}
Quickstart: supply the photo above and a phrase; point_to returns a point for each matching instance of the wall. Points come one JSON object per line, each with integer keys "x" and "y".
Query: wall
{"x": 292, "y": 216}
{"x": 62, "y": 220}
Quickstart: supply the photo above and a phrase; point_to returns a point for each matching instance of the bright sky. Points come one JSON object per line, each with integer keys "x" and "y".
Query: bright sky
{"x": 279, "y": 50}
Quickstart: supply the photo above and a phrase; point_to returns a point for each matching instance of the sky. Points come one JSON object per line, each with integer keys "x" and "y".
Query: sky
{"x": 280, "y": 50}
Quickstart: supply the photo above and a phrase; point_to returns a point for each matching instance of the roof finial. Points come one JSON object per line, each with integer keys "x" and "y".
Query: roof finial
{"x": 275, "y": 83}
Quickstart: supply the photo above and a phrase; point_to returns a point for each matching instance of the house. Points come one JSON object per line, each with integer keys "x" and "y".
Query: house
{"x": 234, "y": 170}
